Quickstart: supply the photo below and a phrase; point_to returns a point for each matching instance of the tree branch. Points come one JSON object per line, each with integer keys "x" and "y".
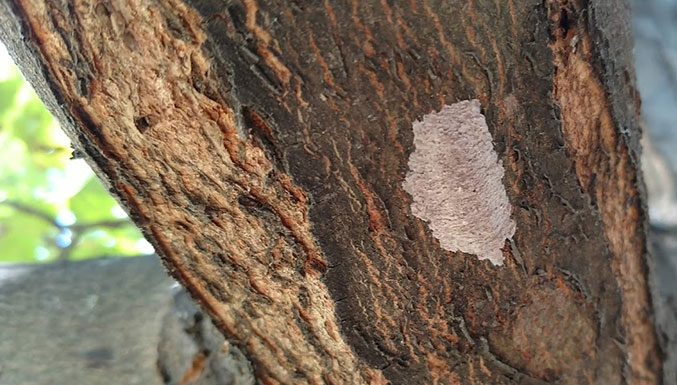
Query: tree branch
{"x": 76, "y": 227}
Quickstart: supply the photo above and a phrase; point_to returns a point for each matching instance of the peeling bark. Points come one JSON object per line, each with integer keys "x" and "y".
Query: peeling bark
{"x": 262, "y": 147}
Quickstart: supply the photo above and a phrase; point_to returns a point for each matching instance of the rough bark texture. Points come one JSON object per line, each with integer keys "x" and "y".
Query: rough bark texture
{"x": 262, "y": 146}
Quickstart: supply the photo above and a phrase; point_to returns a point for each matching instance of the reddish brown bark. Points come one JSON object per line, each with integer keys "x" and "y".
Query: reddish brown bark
{"x": 262, "y": 146}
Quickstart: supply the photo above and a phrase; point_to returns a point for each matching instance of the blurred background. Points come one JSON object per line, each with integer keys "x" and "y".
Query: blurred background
{"x": 65, "y": 287}
{"x": 655, "y": 32}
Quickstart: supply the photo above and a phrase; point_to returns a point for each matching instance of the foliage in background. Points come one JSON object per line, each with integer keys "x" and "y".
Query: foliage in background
{"x": 51, "y": 207}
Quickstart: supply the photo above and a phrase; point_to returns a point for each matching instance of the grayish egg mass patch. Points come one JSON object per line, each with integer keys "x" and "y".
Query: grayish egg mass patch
{"x": 455, "y": 179}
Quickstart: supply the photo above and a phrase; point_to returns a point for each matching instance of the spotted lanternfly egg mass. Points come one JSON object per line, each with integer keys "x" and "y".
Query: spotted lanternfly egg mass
{"x": 455, "y": 180}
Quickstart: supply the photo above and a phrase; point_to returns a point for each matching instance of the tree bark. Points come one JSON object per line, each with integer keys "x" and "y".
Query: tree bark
{"x": 262, "y": 148}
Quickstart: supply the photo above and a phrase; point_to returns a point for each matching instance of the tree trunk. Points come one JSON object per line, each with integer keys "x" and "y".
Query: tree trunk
{"x": 307, "y": 171}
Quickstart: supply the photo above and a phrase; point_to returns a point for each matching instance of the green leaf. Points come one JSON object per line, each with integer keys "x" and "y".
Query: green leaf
{"x": 118, "y": 242}
{"x": 9, "y": 88}
{"x": 92, "y": 203}
{"x": 21, "y": 235}
{"x": 30, "y": 122}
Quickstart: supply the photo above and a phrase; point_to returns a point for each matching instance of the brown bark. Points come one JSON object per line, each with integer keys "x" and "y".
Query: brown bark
{"x": 262, "y": 146}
